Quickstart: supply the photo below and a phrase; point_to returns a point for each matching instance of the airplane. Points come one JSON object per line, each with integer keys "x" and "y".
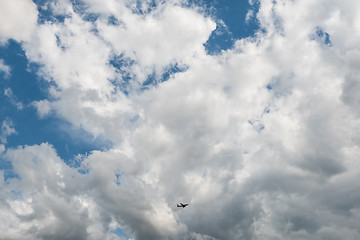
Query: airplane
{"x": 182, "y": 205}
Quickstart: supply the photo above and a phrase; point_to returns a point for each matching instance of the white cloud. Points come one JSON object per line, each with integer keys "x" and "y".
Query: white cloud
{"x": 169, "y": 35}
{"x": 45, "y": 201}
{"x": 43, "y": 107}
{"x": 37, "y": 205}
{"x": 85, "y": 94}
{"x": 7, "y": 129}
{"x": 18, "y": 19}
{"x": 249, "y": 15}
{"x": 12, "y": 98}
{"x": 261, "y": 140}
{"x": 5, "y": 69}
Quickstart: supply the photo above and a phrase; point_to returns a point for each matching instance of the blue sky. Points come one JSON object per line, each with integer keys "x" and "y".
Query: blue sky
{"x": 112, "y": 112}
{"x": 26, "y": 86}
{"x": 233, "y": 14}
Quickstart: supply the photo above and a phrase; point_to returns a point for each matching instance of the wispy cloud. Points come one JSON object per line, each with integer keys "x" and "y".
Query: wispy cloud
{"x": 249, "y": 15}
{"x": 12, "y": 99}
{"x": 5, "y": 69}
{"x": 7, "y": 129}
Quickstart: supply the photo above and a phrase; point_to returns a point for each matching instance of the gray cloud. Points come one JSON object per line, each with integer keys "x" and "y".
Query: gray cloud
{"x": 253, "y": 162}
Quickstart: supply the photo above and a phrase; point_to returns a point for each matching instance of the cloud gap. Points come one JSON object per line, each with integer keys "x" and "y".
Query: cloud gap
{"x": 322, "y": 37}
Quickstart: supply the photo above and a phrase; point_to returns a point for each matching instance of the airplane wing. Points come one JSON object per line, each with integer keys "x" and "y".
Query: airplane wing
{"x": 182, "y": 205}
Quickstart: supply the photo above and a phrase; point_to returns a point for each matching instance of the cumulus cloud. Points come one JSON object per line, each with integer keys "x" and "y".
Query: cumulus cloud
{"x": 18, "y": 20}
{"x": 261, "y": 140}
{"x": 43, "y": 107}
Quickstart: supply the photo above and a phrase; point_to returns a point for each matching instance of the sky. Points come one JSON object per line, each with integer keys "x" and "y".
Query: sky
{"x": 112, "y": 112}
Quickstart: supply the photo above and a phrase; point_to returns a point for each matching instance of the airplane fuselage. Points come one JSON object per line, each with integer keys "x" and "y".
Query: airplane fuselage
{"x": 182, "y": 205}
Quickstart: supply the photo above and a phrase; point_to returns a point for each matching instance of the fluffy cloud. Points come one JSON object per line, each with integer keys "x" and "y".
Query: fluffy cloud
{"x": 18, "y": 20}
{"x": 261, "y": 140}
{"x": 42, "y": 203}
